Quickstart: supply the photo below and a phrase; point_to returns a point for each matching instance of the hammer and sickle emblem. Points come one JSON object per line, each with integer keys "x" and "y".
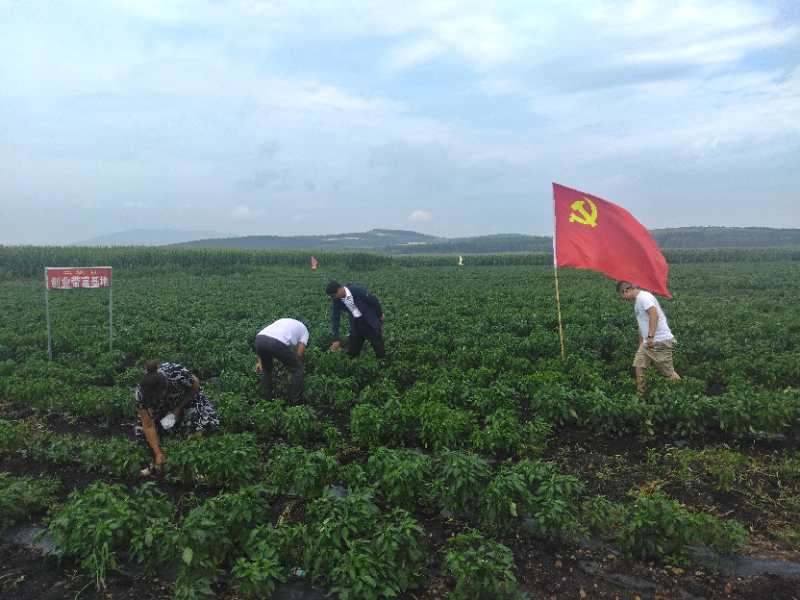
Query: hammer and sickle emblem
{"x": 585, "y": 217}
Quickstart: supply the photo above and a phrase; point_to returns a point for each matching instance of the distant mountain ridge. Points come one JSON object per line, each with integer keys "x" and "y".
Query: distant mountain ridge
{"x": 726, "y": 237}
{"x": 396, "y": 241}
{"x": 367, "y": 240}
{"x": 400, "y": 241}
{"x": 148, "y": 237}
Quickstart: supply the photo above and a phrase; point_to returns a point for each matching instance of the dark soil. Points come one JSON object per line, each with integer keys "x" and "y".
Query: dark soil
{"x": 26, "y": 575}
{"x": 543, "y": 572}
{"x": 61, "y": 423}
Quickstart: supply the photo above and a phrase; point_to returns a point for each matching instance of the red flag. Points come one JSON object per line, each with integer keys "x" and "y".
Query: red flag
{"x": 314, "y": 263}
{"x": 592, "y": 233}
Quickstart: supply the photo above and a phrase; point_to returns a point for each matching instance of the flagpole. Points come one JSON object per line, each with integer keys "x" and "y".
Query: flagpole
{"x": 555, "y": 273}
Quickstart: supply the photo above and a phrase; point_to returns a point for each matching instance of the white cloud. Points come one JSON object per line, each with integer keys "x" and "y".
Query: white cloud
{"x": 420, "y": 216}
{"x": 314, "y": 96}
{"x": 494, "y": 36}
{"x": 242, "y": 212}
{"x": 724, "y": 49}
{"x": 481, "y": 39}
{"x": 698, "y": 116}
{"x": 674, "y": 16}
{"x": 412, "y": 53}
{"x": 500, "y": 87}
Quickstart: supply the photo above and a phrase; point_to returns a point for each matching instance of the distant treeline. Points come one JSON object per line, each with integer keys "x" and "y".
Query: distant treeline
{"x": 409, "y": 242}
{"x": 725, "y": 237}
{"x": 683, "y": 237}
{"x": 486, "y": 244}
{"x": 29, "y": 261}
{"x": 678, "y": 256}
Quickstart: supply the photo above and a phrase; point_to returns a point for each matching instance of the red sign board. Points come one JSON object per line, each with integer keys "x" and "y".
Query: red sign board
{"x": 73, "y": 278}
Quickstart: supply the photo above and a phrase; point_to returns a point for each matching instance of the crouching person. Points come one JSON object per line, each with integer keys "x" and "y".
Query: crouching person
{"x": 169, "y": 400}
{"x": 285, "y": 340}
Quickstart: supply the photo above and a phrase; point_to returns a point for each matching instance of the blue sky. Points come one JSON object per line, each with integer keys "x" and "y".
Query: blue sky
{"x": 451, "y": 118}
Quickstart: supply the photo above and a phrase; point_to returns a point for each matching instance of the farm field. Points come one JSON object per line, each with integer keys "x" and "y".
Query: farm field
{"x": 473, "y": 463}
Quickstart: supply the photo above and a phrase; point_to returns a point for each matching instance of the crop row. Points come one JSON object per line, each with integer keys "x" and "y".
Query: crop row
{"x": 115, "y": 456}
{"x": 507, "y": 418}
{"x": 348, "y": 543}
{"x": 29, "y": 261}
{"x": 23, "y": 497}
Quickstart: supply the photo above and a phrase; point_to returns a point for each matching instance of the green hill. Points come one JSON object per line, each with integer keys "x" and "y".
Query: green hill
{"x": 397, "y": 241}
{"x": 726, "y": 237}
{"x": 368, "y": 240}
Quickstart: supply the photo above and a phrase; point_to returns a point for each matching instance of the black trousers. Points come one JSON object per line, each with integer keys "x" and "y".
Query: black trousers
{"x": 360, "y": 332}
{"x": 268, "y": 348}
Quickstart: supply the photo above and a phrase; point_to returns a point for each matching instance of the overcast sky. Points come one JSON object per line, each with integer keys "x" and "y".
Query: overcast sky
{"x": 451, "y": 118}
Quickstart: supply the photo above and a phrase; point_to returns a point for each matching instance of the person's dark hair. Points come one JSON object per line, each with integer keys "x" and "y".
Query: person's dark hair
{"x": 152, "y": 382}
{"x": 332, "y": 287}
{"x": 624, "y": 285}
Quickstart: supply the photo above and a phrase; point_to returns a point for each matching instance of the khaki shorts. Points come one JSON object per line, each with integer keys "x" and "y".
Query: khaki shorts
{"x": 660, "y": 356}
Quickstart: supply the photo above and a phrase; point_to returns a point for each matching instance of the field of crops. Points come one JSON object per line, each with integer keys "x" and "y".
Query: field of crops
{"x": 473, "y": 464}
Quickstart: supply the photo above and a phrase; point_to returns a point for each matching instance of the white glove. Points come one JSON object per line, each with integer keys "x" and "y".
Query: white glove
{"x": 168, "y": 422}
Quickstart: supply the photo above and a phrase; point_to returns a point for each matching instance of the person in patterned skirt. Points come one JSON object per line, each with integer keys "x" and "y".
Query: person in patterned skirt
{"x": 169, "y": 400}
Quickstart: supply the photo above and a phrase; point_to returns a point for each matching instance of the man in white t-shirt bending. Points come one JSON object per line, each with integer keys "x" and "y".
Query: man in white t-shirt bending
{"x": 656, "y": 342}
{"x": 286, "y": 340}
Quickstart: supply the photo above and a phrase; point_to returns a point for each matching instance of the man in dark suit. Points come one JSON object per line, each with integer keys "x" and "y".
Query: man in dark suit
{"x": 366, "y": 317}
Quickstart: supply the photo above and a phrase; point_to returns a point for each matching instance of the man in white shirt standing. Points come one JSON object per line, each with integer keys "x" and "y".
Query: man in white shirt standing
{"x": 656, "y": 342}
{"x": 286, "y": 340}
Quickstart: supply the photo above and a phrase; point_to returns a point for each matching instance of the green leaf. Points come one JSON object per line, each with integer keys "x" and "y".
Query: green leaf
{"x": 187, "y": 555}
